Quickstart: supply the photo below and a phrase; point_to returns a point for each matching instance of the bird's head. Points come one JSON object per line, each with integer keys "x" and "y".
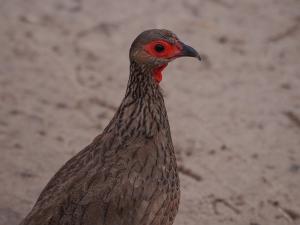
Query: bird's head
{"x": 155, "y": 48}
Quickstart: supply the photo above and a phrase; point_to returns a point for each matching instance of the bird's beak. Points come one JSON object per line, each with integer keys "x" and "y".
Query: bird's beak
{"x": 187, "y": 51}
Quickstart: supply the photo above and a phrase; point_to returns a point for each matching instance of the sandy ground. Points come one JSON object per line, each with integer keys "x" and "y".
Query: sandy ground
{"x": 234, "y": 117}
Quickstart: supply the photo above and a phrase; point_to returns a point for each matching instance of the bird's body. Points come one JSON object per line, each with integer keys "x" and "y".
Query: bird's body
{"x": 127, "y": 175}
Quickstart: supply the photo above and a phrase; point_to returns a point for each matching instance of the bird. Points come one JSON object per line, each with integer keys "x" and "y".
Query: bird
{"x": 128, "y": 174}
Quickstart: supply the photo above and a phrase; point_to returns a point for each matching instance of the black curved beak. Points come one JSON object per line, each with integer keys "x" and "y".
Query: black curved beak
{"x": 188, "y": 51}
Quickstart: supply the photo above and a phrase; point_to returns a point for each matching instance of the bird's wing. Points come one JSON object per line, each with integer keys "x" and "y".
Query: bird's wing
{"x": 100, "y": 185}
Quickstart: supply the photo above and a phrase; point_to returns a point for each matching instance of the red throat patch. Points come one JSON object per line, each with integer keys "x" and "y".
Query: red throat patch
{"x": 157, "y": 73}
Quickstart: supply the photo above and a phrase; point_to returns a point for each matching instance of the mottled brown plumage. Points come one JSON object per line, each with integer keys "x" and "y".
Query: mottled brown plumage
{"x": 128, "y": 174}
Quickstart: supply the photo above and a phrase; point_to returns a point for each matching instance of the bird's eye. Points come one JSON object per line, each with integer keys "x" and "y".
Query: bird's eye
{"x": 159, "y": 48}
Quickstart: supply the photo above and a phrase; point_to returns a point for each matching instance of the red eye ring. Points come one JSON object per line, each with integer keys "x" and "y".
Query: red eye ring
{"x": 161, "y": 49}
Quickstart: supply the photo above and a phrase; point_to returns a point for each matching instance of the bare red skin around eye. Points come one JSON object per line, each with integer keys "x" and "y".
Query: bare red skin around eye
{"x": 169, "y": 52}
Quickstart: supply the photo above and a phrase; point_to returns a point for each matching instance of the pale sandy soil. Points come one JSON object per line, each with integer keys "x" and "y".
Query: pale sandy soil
{"x": 234, "y": 118}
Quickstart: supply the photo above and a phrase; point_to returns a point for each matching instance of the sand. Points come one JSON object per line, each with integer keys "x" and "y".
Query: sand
{"x": 234, "y": 117}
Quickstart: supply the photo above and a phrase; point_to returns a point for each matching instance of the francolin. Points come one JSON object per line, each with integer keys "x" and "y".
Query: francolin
{"x": 128, "y": 174}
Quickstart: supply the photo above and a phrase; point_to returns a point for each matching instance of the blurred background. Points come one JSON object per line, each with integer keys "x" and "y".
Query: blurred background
{"x": 235, "y": 117}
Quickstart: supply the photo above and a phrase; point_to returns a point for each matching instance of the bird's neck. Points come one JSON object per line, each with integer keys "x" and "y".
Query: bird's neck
{"x": 142, "y": 83}
{"x": 142, "y": 111}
